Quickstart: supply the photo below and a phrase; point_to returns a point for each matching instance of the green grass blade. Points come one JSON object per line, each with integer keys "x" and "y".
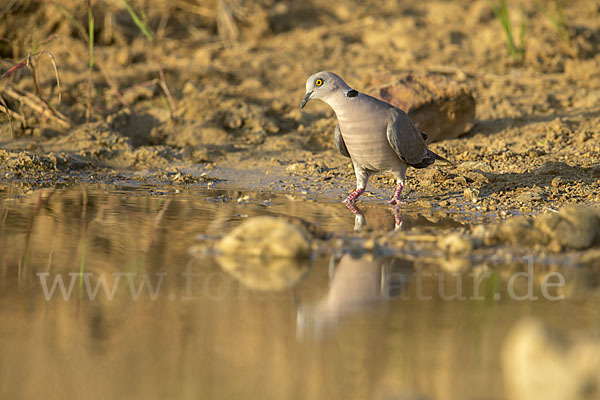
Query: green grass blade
{"x": 69, "y": 15}
{"x": 522, "y": 33}
{"x": 140, "y": 24}
{"x": 500, "y": 10}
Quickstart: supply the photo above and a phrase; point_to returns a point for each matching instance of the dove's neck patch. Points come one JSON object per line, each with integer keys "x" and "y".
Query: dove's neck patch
{"x": 351, "y": 93}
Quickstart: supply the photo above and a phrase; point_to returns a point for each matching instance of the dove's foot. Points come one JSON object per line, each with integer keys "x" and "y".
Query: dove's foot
{"x": 353, "y": 196}
{"x": 395, "y": 202}
{"x": 396, "y": 199}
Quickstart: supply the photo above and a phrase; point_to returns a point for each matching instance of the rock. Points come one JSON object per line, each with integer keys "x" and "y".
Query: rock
{"x": 575, "y": 227}
{"x": 529, "y": 195}
{"x": 439, "y": 106}
{"x": 476, "y": 166}
{"x": 266, "y": 237}
{"x": 539, "y": 364}
{"x": 471, "y": 194}
{"x": 556, "y": 182}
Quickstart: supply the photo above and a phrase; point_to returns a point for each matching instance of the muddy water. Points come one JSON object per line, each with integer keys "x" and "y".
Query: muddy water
{"x": 148, "y": 311}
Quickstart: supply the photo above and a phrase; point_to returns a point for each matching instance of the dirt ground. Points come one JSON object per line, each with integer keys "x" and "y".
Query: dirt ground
{"x": 235, "y": 71}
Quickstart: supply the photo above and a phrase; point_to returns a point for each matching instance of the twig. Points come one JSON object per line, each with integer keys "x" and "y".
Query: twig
{"x": 202, "y": 11}
{"x": 27, "y": 100}
{"x": 165, "y": 88}
{"x": 12, "y": 130}
{"x": 51, "y": 56}
{"x": 352, "y": 25}
{"x": 14, "y": 68}
{"x": 140, "y": 85}
{"x": 113, "y": 86}
{"x": 29, "y": 62}
{"x": 36, "y": 86}
{"x": 228, "y": 30}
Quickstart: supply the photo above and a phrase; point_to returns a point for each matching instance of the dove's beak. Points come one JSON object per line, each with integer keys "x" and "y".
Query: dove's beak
{"x": 306, "y": 99}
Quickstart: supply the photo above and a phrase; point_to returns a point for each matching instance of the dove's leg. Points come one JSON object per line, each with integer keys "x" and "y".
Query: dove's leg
{"x": 362, "y": 176}
{"x": 400, "y": 179}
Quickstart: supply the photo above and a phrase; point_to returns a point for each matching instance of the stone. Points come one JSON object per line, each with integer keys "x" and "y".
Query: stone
{"x": 573, "y": 227}
{"x": 471, "y": 194}
{"x": 266, "y": 237}
{"x": 530, "y": 195}
{"x": 439, "y": 106}
{"x": 556, "y": 182}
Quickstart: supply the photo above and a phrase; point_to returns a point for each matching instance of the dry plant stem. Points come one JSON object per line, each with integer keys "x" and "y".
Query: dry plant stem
{"x": 36, "y": 86}
{"x": 353, "y": 25}
{"x": 52, "y": 59}
{"x": 14, "y": 68}
{"x": 140, "y": 85}
{"x": 113, "y": 86}
{"x": 7, "y": 111}
{"x": 32, "y": 102}
{"x": 165, "y": 88}
{"x": 29, "y": 62}
{"x": 201, "y": 11}
{"x": 228, "y": 30}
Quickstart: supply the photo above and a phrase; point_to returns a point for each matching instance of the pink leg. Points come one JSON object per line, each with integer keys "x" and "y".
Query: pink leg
{"x": 396, "y": 198}
{"x": 353, "y": 196}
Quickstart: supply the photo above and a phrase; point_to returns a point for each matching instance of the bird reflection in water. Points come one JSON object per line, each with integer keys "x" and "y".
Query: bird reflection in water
{"x": 357, "y": 283}
{"x": 360, "y": 220}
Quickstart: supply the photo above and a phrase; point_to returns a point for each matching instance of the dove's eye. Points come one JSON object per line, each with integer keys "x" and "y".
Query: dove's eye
{"x": 319, "y": 82}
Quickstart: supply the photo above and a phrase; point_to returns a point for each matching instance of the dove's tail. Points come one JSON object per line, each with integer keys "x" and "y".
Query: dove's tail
{"x": 430, "y": 158}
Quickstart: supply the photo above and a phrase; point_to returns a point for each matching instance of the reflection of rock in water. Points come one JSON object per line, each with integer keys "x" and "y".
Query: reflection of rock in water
{"x": 265, "y": 253}
{"x": 357, "y": 282}
{"x": 266, "y": 236}
{"x": 264, "y": 273}
{"x": 539, "y": 364}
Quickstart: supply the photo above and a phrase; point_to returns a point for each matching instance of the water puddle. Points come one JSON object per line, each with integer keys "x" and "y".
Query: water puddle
{"x": 113, "y": 292}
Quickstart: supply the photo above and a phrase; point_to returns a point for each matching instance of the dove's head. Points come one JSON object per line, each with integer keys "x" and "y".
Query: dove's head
{"x": 324, "y": 86}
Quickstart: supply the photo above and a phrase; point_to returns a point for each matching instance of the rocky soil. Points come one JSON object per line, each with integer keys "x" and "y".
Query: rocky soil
{"x": 227, "y": 111}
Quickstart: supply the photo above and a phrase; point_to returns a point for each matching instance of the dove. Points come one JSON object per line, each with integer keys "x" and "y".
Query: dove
{"x": 375, "y": 135}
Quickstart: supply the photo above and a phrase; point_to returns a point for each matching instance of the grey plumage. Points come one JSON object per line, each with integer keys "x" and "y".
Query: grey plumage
{"x": 339, "y": 142}
{"x": 375, "y": 135}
